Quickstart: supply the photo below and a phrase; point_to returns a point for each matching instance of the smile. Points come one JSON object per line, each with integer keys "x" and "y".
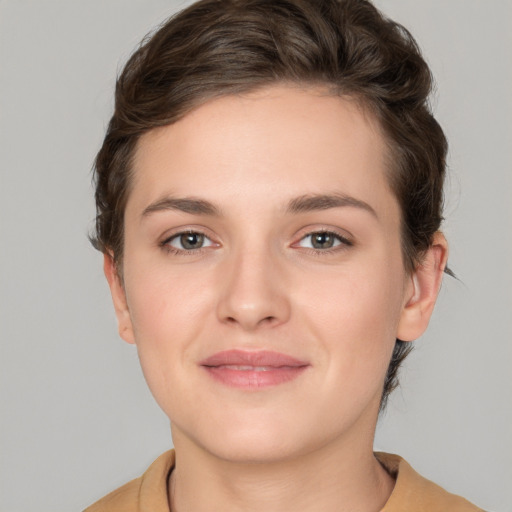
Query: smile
{"x": 253, "y": 370}
{"x": 246, "y": 368}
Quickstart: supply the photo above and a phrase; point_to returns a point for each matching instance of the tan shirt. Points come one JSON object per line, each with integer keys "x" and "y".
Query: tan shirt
{"x": 412, "y": 492}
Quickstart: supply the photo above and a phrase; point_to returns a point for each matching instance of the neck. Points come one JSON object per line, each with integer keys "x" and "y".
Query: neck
{"x": 339, "y": 477}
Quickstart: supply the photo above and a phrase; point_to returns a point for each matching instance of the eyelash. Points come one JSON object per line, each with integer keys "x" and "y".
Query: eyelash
{"x": 165, "y": 244}
{"x": 343, "y": 243}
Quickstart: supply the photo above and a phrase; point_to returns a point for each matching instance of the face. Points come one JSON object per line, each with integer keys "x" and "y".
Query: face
{"x": 263, "y": 279}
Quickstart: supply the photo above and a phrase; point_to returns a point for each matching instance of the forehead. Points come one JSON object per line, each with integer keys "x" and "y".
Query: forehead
{"x": 281, "y": 141}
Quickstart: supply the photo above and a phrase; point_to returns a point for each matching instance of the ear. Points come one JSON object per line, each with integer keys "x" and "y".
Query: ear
{"x": 124, "y": 320}
{"x": 422, "y": 290}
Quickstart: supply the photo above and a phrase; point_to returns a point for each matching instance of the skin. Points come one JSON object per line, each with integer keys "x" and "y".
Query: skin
{"x": 258, "y": 283}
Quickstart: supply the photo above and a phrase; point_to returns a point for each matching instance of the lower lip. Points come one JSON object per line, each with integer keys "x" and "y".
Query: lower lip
{"x": 254, "y": 379}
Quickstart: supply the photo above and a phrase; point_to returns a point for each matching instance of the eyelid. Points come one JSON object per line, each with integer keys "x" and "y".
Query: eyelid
{"x": 183, "y": 230}
{"x": 345, "y": 238}
{"x": 179, "y": 235}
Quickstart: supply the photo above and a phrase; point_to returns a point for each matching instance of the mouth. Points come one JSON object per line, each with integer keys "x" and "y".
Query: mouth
{"x": 253, "y": 370}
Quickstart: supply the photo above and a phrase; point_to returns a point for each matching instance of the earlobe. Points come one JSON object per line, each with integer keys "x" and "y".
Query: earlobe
{"x": 422, "y": 291}
{"x": 117, "y": 291}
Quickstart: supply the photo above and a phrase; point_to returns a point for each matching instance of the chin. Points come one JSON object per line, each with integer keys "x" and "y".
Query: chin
{"x": 245, "y": 438}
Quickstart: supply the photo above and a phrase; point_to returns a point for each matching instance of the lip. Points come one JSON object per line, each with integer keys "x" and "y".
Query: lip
{"x": 253, "y": 369}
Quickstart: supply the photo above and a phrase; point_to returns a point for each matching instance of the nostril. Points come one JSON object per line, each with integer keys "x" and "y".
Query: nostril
{"x": 264, "y": 320}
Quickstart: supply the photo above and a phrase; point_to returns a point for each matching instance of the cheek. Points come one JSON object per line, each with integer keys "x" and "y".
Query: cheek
{"x": 355, "y": 314}
{"x": 363, "y": 298}
{"x": 166, "y": 302}
{"x": 168, "y": 316}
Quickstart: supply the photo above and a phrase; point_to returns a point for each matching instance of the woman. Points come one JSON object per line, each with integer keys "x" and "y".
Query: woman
{"x": 269, "y": 198}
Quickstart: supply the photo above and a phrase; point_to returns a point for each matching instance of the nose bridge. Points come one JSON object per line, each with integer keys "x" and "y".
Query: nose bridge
{"x": 252, "y": 289}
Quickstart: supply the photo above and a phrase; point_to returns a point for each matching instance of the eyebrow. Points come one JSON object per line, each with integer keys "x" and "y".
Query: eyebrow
{"x": 313, "y": 202}
{"x": 301, "y": 204}
{"x": 185, "y": 204}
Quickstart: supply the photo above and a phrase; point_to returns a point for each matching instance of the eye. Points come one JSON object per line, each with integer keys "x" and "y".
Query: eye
{"x": 188, "y": 241}
{"x": 322, "y": 240}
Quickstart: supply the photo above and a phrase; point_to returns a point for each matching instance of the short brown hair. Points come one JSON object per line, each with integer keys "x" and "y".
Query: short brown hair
{"x": 220, "y": 47}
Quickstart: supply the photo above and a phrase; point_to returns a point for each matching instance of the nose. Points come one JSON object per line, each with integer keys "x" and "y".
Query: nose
{"x": 252, "y": 292}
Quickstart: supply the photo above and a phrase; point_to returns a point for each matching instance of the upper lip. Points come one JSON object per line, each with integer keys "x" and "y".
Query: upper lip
{"x": 259, "y": 358}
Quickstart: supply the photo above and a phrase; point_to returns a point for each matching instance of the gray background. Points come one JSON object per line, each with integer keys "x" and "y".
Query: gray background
{"x": 76, "y": 418}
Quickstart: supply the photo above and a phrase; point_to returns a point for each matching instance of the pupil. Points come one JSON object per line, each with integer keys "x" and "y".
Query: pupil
{"x": 192, "y": 240}
{"x": 322, "y": 241}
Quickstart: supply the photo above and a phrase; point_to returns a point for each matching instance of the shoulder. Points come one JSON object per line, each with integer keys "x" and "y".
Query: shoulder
{"x": 414, "y": 493}
{"x": 125, "y": 498}
{"x": 148, "y": 492}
